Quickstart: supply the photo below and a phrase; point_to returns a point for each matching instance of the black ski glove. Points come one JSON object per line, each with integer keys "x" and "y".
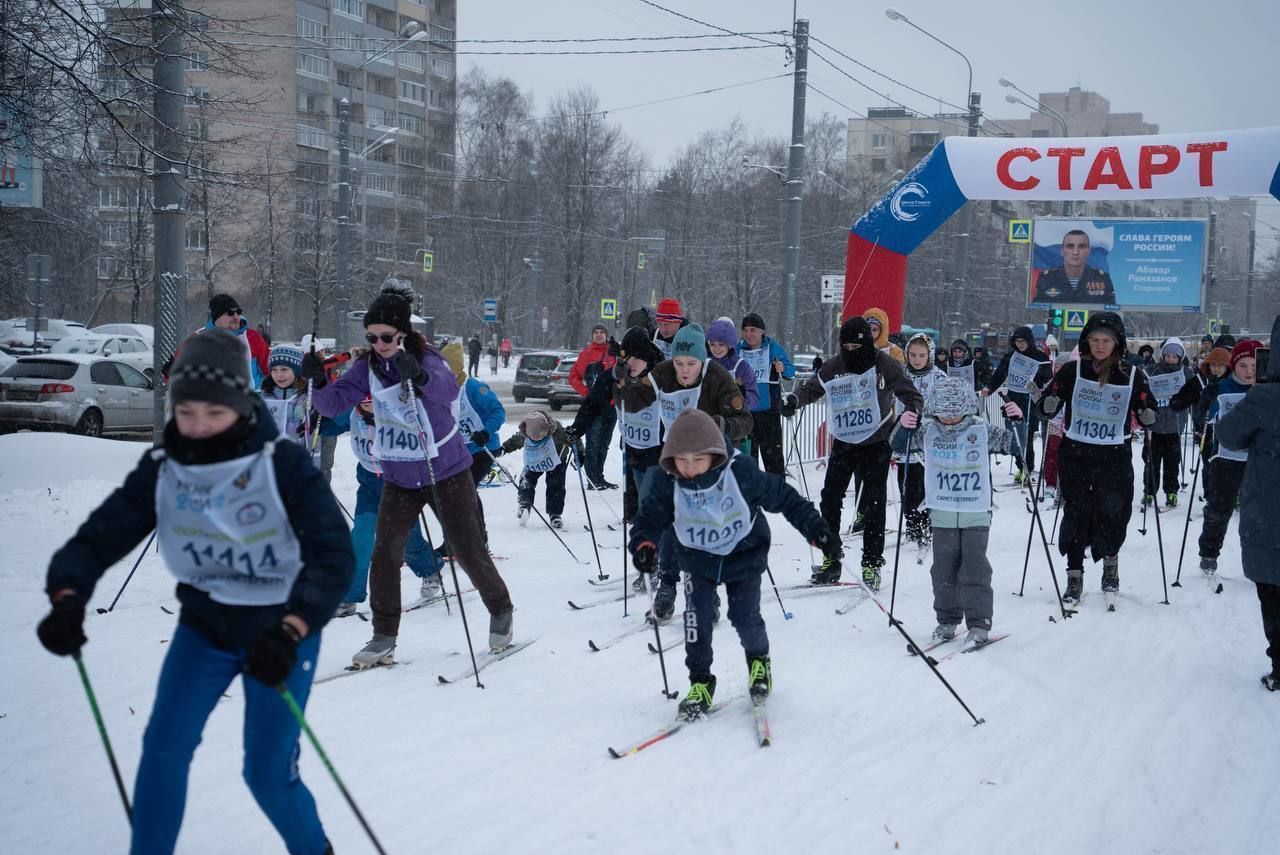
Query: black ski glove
{"x": 790, "y": 404}
{"x": 480, "y": 437}
{"x": 829, "y": 545}
{"x": 646, "y": 557}
{"x": 62, "y": 630}
{"x": 273, "y": 655}
{"x": 410, "y": 368}
{"x": 573, "y": 433}
{"x": 313, "y": 370}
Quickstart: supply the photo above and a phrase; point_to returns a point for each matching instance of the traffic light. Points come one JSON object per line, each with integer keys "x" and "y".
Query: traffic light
{"x": 1056, "y": 319}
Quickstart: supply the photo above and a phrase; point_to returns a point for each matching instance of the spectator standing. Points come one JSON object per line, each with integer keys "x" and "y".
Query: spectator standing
{"x": 593, "y": 360}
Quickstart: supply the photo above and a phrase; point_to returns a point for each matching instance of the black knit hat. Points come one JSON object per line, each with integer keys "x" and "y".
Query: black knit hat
{"x": 213, "y": 365}
{"x": 636, "y": 343}
{"x": 751, "y": 319}
{"x": 393, "y": 306}
{"x": 1108, "y": 322}
{"x": 856, "y": 330}
{"x": 640, "y": 317}
{"x": 220, "y": 304}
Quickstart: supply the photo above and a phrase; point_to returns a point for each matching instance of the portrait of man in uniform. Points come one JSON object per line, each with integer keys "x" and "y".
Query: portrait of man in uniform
{"x": 1075, "y": 282}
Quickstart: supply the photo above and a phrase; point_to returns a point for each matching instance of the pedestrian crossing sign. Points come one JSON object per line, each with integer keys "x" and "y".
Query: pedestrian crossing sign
{"x": 1076, "y": 319}
{"x": 608, "y": 310}
{"x": 1019, "y": 231}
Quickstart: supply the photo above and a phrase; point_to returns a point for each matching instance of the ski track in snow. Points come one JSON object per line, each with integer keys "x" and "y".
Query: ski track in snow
{"x": 1130, "y": 732}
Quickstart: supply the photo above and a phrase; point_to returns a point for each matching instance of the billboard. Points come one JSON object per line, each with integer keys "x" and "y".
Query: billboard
{"x": 21, "y": 173}
{"x": 1150, "y": 265}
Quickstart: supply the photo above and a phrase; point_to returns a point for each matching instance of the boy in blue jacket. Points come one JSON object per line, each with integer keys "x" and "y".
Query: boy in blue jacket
{"x": 714, "y": 497}
{"x": 262, "y": 557}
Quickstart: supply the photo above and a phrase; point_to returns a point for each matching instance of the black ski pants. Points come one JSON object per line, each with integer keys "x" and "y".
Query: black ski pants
{"x": 1269, "y": 599}
{"x": 1221, "y": 488}
{"x": 911, "y": 485}
{"x": 766, "y": 439}
{"x": 1096, "y": 482}
{"x": 555, "y": 488}
{"x": 870, "y": 464}
{"x": 699, "y": 618}
{"x": 635, "y": 464}
{"x": 1161, "y": 458}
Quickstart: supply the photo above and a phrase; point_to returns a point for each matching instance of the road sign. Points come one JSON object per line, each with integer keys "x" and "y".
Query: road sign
{"x": 1076, "y": 319}
{"x": 37, "y": 268}
{"x": 1019, "y": 231}
{"x": 490, "y": 311}
{"x": 1215, "y": 326}
{"x": 608, "y": 310}
{"x": 428, "y": 261}
{"x": 833, "y": 289}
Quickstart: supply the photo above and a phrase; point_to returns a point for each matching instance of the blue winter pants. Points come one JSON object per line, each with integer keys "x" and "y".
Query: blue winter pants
{"x": 599, "y": 435}
{"x": 194, "y": 675}
{"x": 417, "y": 554}
{"x": 699, "y": 617}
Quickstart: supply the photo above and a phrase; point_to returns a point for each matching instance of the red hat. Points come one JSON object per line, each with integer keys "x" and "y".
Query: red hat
{"x": 669, "y": 309}
{"x": 1246, "y": 347}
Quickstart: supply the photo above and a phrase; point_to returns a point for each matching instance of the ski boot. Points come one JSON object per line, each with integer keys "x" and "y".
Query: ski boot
{"x": 1020, "y": 478}
{"x": 1208, "y": 566}
{"x": 380, "y": 650}
{"x": 977, "y": 636}
{"x": 698, "y": 702}
{"x": 500, "y": 631}
{"x": 1111, "y": 574}
{"x": 638, "y": 586}
{"x": 431, "y": 588}
{"x": 1171, "y": 500}
{"x": 1075, "y": 586}
{"x": 664, "y": 602}
{"x": 943, "y": 632}
{"x": 601, "y": 484}
{"x": 828, "y": 573}
{"x": 557, "y": 521}
{"x": 759, "y": 678}
{"x": 345, "y": 610}
{"x": 1148, "y": 500}
{"x": 858, "y": 523}
{"x": 871, "y": 577}
{"x": 1271, "y": 682}
{"x": 522, "y": 515}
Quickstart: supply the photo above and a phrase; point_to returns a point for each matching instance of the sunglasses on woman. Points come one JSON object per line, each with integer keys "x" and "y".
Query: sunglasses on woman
{"x": 385, "y": 338}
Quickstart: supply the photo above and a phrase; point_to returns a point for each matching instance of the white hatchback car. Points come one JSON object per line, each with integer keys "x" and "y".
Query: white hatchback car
{"x": 73, "y": 392}
{"x": 132, "y": 350}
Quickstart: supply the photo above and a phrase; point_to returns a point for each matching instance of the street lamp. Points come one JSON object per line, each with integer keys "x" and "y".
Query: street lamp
{"x": 961, "y": 259}
{"x": 1039, "y": 106}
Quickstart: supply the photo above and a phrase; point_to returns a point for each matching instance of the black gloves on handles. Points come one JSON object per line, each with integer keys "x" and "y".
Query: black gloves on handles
{"x": 480, "y": 437}
{"x": 62, "y": 630}
{"x": 410, "y": 369}
{"x": 827, "y": 542}
{"x": 313, "y": 369}
{"x": 646, "y": 557}
{"x": 790, "y": 404}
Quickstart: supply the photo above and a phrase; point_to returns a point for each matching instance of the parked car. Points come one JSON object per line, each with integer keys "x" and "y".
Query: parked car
{"x": 74, "y": 392}
{"x": 20, "y": 339}
{"x": 533, "y": 373}
{"x": 140, "y": 330}
{"x": 561, "y": 392}
{"x": 132, "y": 350}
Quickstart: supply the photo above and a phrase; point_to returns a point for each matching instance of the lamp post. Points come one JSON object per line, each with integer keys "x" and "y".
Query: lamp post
{"x": 960, "y": 260}
{"x": 1040, "y": 107}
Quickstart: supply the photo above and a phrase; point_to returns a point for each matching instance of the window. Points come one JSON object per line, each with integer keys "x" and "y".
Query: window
{"x": 877, "y": 164}
{"x": 197, "y": 127}
{"x": 384, "y": 249}
{"x": 381, "y": 118}
{"x": 115, "y": 232}
{"x": 442, "y": 134}
{"x": 313, "y": 137}
{"x": 317, "y": 31}
{"x": 108, "y": 267}
{"x": 313, "y": 66}
{"x": 312, "y": 171}
{"x": 413, "y": 187}
{"x": 105, "y": 373}
{"x": 114, "y": 196}
{"x": 879, "y": 141}
{"x": 385, "y": 153}
{"x": 308, "y": 205}
{"x": 411, "y": 59}
{"x": 197, "y": 93}
{"x": 441, "y": 35}
{"x": 440, "y": 100}
{"x": 378, "y": 183}
{"x": 441, "y": 161}
{"x": 442, "y": 68}
{"x": 413, "y": 124}
{"x": 383, "y": 85}
{"x": 132, "y": 377}
{"x": 380, "y": 50}
{"x": 350, "y": 8}
{"x": 198, "y": 60}
{"x": 311, "y": 102}
{"x": 412, "y": 156}
{"x": 1039, "y": 132}
{"x": 347, "y": 78}
{"x": 346, "y": 41}
{"x": 923, "y": 141}
{"x": 415, "y": 92}
{"x": 196, "y": 235}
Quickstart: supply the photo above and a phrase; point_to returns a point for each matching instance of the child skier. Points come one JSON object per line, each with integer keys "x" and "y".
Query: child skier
{"x": 284, "y": 393}
{"x": 1164, "y": 450}
{"x": 547, "y": 448}
{"x": 722, "y": 341}
{"x": 925, "y": 375}
{"x": 714, "y": 497}
{"x": 262, "y": 557}
{"x": 957, "y": 486}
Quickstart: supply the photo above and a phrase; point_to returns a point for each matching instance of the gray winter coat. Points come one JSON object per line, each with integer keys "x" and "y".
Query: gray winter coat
{"x": 1254, "y": 424}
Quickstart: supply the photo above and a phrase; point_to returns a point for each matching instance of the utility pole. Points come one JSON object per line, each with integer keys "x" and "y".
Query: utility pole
{"x": 169, "y": 289}
{"x": 960, "y": 280}
{"x": 342, "y": 296}
{"x": 795, "y": 186}
{"x": 1211, "y": 270}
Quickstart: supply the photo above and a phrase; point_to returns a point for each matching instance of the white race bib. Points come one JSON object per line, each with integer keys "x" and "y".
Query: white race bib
{"x": 956, "y": 470}
{"x": 1098, "y": 413}
{"x": 362, "y": 436}
{"x": 542, "y": 455}
{"x": 1165, "y": 386}
{"x": 279, "y": 410}
{"x": 713, "y": 520}
{"x": 853, "y": 407}
{"x": 1021, "y": 378}
{"x": 664, "y": 347}
{"x": 1227, "y": 403}
{"x": 760, "y": 363}
{"x": 401, "y": 425}
{"x": 672, "y": 404}
{"x": 223, "y": 529}
{"x": 964, "y": 372}
{"x": 464, "y": 413}
{"x": 641, "y": 429}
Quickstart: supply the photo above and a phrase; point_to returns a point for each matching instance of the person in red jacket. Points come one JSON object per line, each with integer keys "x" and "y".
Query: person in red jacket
{"x": 593, "y": 359}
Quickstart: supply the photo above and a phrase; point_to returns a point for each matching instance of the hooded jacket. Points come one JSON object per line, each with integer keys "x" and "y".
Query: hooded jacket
{"x": 1254, "y": 425}
{"x": 1043, "y": 374}
{"x": 882, "y": 337}
{"x": 891, "y": 382}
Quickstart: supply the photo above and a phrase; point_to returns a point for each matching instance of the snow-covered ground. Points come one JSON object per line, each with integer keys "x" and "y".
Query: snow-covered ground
{"x": 1139, "y": 731}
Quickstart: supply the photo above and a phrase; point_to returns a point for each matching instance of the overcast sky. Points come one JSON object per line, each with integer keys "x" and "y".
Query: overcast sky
{"x": 1187, "y": 66}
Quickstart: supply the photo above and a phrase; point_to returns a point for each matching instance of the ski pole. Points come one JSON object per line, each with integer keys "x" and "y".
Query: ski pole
{"x": 600, "y": 574}
{"x": 102, "y": 731}
{"x": 328, "y": 764}
{"x": 785, "y": 614}
{"x": 1146, "y": 480}
{"x": 1195, "y": 475}
{"x": 344, "y": 510}
{"x": 625, "y": 584}
{"x": 1164, "y": 578}
{"x": 795, "y": 435}
{"x": 928, "y": 661}
{"x": 533, "y": 508}
{"x": 141, "y": 554}
{"x": 657, "y": 640}
{"x": 426, "y": 529}
{"x": 902, "y": 512}
{"x": 1048, "y": 556}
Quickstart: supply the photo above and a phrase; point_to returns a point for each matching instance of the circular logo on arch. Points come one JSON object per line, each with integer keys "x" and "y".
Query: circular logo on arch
{"x": 909, "y": 201}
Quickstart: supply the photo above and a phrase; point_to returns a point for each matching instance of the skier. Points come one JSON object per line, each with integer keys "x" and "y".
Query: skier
{"x": 480, "y": 415}
{"x": 771, "y": 363}
{"x": 1023, "y": 370}
{"x": 722, "y": 341}
{"x": 670, "y": 320}
{"x": 860, "y": 386}
{"x": 925, "y": 375}
{"x": 547, "y": 450}
{"x": 1165, "y": 448}
{"x": 424, "y": 462}
{"x": 960, "y": 364}
{"x": 1251, "y": 426}
{"x": 1224, "y": 467}
{"x": 593, "y": 360}
{"x": 713, "y": 497}
{"x": 262, "y": 556}
{"x": 1095, "y": 464}
{"x": 957, "y": 486}
{"x": 879, "y": 321}
{"x": 284, "y": 392}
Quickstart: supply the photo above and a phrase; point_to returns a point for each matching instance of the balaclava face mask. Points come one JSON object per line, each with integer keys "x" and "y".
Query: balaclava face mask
{"x": 857, "y": 331}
